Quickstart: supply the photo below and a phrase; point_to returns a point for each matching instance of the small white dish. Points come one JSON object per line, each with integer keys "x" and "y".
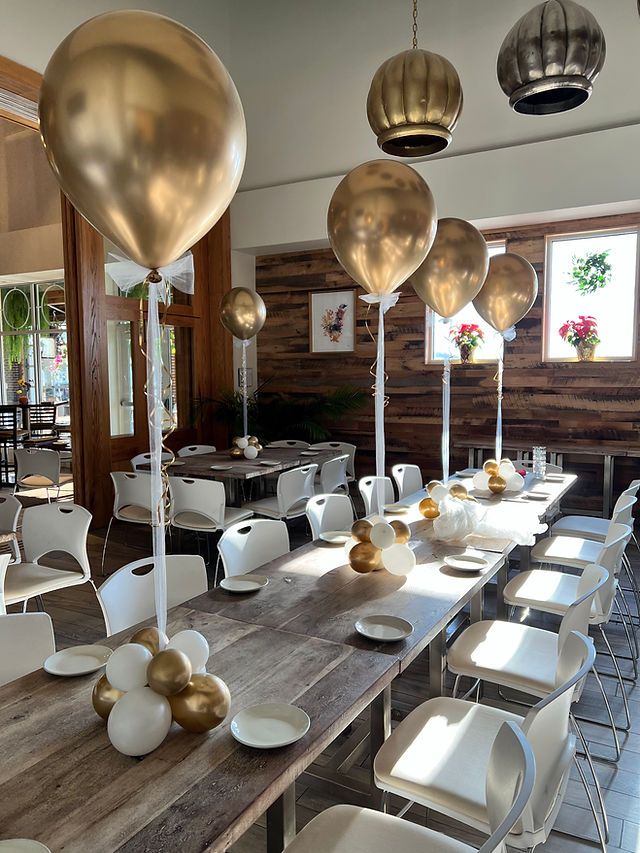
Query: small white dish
{"x": 22, "y": 845}
{"x": 309, "y": 453}
{"x": 77, "y": 660}
{"x": 244, "y": 583}
{"x": 554, "y": 478}
{"x": 336, "y": 537}
{"x": 268, "y": 463}
{"x": 537, "y": 496}
{"x": 466, "y": 563}
{"x": 465, "y": 475}
{"x": 396, "y": 508}
{"x": 270, "y": 725}
{"x": 220, "y": 467}
{"x": 384, "y": 629}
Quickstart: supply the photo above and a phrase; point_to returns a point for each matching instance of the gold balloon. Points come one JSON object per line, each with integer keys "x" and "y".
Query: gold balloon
{"x": 361, "y": 530}
{"x": 242, "y": 312}
{"x": 202, "y": 705}
{"x": 454, "y": 270}
{"x": 432, "y": 484}
{"x": 235, "y": 440}
{"x": 253, "y": 440}
{"x": 381, "y": 224}
{"x": 457, "y": 490}
{"x": 151, "y": 638}
{"x": 491, "y": 466}
{"x": 469, "y": 498}
{"x": 429, "y": 508}
{"x": 104, "y": 697}
{"x": 497, "y": 484}
{"x": 169, "y": 672}
{"x": 259, "y": 447}
{"x": 144, "y": 130}
{"x": 236, "y": 453}
{"x": 403, "y": 533}
{"x": 365, "y": 557}
{"x": 505, "y": 459}
{"x": 508, "y": 293}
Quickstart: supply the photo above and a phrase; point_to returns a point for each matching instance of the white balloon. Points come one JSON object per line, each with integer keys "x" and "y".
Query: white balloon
{"x": 506, "y": 469}
{"x": 515, "y": 483}
{"x": 139, "y": 721}
{"x": 438, "y": 493}
{"x": 194, "y": 645}
{"x": 250, "y": 452}
{"x": 481, "y": 480}
{"x": 242, "y": 443}
{"x": 382, "y": 535}
{"x": 398, "y": 559}
{"x": 127, "y": 667}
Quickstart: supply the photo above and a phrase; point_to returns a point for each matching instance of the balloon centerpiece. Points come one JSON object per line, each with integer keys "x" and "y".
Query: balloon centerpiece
{"x": 454, "y": 512}
{"x": 247, "y": 446}
{"x": 378, "y": 544}
{"x": 498, "y": 477}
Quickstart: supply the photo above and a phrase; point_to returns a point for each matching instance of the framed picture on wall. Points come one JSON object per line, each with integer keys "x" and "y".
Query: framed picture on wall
{"x": 332, "y": 321}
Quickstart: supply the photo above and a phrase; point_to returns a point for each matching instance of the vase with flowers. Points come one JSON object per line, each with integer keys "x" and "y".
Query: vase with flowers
{"x": 23, "y": 386}
{"x": 467, "y": 337}
{"x": 583, "y": 335}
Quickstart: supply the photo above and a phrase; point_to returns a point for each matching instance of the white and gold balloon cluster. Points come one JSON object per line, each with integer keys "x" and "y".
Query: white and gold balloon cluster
{"x": 430, "y": 507}
{"x": 498, "y": 477}
{"x": 247, "y": 446}
{"x": 150, "y": 682}
{"x": 379, "y": 544}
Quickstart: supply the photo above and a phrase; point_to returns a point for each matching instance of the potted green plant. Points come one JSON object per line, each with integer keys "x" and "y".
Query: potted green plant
{"x": 583, "y": 335}
{"x": 590, "y": 272}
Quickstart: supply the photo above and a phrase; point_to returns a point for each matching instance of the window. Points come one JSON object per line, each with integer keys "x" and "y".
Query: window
{"x": 438, "y": 342}
{"x": 120, "y": 362}
{"x": 593, "y": 275}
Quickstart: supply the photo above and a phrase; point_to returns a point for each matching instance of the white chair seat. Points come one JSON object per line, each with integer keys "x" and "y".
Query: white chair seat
{"x": 584, "y": 526}
{"x": 196, "y": 521}
{"x": 566, "y": 551}
{"x": 552, "y": 592}
{"x": 269, "y": 508}
{"x": 517, "y": 656}
{"x": 37, "y": 481}
{"x": 439, "y": 755}
{"x": 134, "y": 513}
{"x": 26, "y": 580}
{"x": 349, "y": 829}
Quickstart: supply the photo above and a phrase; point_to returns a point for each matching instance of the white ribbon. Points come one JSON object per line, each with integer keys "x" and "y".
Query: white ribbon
{"x": 385, "y": 302}
{"x": 508, "y": 335}
{"x": 244, "y": 390}
{"x": 127, "y": 274}
{"x": 446, "y": 416}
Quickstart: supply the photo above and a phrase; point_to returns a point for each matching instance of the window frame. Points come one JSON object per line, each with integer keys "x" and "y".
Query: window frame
{"x": 546, "y": 307}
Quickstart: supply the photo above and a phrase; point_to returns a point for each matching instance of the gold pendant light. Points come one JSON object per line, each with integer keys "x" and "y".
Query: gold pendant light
{"x": 414, "y": 101}
{"x": 550, "y": 58}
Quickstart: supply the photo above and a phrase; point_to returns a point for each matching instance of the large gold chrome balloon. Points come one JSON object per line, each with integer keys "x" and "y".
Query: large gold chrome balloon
{"x": 104, "y": 696}
{"x": 403, "y": 531}
{"x": 381, "y": 224}
{"x": 497, "y": 484}
{"x": 509, "y": 291}
{"x": 242, "y": 312}
{"x": 458, "y": 490}
{"x": 202, "y": 705}
{"x": 491, "y": 466}
{"x": 365, "y": 557}
{"x": 361, "y": 530}
{"x": 144, "y": 130}
{"x": 169, "y": 672}
{"x": 454, "y": 270}
{"x": 151, "y": 638}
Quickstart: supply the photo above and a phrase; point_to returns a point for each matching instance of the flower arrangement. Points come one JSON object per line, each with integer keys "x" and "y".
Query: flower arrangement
{"x": 581, "y": 334}
{"x": 23, "y": 386}
{"x": 332, "y": 322}
{"x": 466, "y": 336}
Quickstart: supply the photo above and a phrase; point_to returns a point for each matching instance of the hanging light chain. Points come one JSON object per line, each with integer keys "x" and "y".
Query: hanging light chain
{"x": 415, "y": 24}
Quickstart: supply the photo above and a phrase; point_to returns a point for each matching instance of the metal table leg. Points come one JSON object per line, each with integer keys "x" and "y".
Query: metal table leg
{"x": 281, "y": 821}
{"x": 607, "y": 485}
{"x": 437, "y": 664}
{"x": 476, "y": 606}
{"x": 380, "y": 730}
{"x": 501, "y": 581}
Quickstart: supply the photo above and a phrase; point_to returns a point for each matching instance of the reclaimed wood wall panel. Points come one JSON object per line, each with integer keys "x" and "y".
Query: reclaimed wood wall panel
{"x": 543, "y": 402}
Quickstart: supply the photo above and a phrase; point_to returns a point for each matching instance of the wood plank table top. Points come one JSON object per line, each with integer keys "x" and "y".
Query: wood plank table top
{"x": 284, "y": 458}
{"x": 62, "y": 783}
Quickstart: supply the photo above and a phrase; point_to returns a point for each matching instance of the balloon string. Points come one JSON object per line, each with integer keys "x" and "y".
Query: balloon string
{"x": 380, "y": 403}
{"x": 446, "y": 416}
{"x": 499, "y": 379}
{"x": 373, "y": 369}
{"x": 245, "y": 403}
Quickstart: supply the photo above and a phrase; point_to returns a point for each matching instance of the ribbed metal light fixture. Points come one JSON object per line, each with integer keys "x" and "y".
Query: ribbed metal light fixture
{"x": 550, "y": 58}
{"x": 414, "y": 101}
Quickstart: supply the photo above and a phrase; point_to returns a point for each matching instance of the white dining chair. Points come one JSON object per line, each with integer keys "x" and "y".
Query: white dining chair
{"x": 439, "y": 754}
{"x": 196, "y": 450}
{"x": 333, "y": 475}
{"x": 26, "y": 641}
{"x": 200, "y": 505}
{"x": 39, "y": 468}
{"x": 131, "y": 501}
{"x": 10, "y": 509}
{"x": 248, "y": 545}
{"x": 408, "y": 479}
{"x": 509, "y": 783}
{"x": 329, "y": 512}
{"x": 141, "y": 460}
{"x": 128, "y": 595}
{"x": 293, "y": 443}
{"x": 368, "y": 488}
{"x": 342, "y": 447}
{"x": 293, "y": 489}
{"x": 46, "y": 529}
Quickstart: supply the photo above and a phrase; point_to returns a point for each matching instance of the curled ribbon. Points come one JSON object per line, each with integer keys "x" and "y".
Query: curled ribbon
{"x": 244, "y": 390}
{"x": 508, "y": 335}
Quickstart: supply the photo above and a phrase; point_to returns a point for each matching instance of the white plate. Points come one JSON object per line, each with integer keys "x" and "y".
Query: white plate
{"x": 270, "y": 725}
{"x": 221, "y": 467}
{"x": 77, "y": 660}
{"x": 466, "y": 475}
{"x": 336, "y": 537}
{"x": 554, "y": 478}
{"x": 537, "y": 496}
{"x": 466, "y": 563}
{"x": 384, "y": 629}
{"x": 244, "y": 583}
{"x": 22, "y": 845}
{"x": 310, "y": 453}
{"x": 396, "y": 509}
{"x": 268, "y": 463}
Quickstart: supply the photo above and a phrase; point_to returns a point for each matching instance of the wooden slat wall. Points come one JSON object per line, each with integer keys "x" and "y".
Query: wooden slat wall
{"x": 543, "y": 402}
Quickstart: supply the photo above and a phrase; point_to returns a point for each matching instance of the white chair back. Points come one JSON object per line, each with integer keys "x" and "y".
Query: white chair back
{"x": 10, "y": 509}
{"x": 26, "y": 641}
{"x": 131, "y": 489}
{"x": 37, "y": 462}
{"x": 145, "y": 459}
{"x": 511, "y": 775}
{"x": 329, "y": 512}
{"x": 196, "y": 450}
{"x": 368, "y": 487}
{"x": 333, "y": 475}
{"x": 205, "y": 497}
{"x": 617, "y": 539}
{"x": 343, "y": 447}
{"x": 57, "y": 527}
{"x": 623, "y": 509}
{"x": 632, "y": 488}
{"x": 408, "y": 479}
{"x": 592, "y": 584}
{"x": 295, "y": 486}
{"x": 128, "y": 597}
{"x": 249, "y": 544}
{"x": 293, "y": 443}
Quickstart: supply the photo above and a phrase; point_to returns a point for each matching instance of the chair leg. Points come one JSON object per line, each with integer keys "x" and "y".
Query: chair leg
{"x": 454, "y": 692}
{"x": 601, "y": 834}
{"x": 596, "y": 781}
{"x": 15, "y": 547}
{"x": 618, "y": 675}
{"x": 629, "y": 631}
{"x": 104, "y": 547}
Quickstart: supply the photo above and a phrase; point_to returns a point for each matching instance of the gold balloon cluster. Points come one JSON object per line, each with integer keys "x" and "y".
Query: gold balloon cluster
{"x": 369, "y": 556}
{"x": 247, "y": 447}
{"x": 498, "y": 477}
{"x": 429, "y": 507}
{"x": 198, "y": 701}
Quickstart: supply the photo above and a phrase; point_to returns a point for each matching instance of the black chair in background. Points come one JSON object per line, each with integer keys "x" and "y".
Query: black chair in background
{"x": 11, "y": 437}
